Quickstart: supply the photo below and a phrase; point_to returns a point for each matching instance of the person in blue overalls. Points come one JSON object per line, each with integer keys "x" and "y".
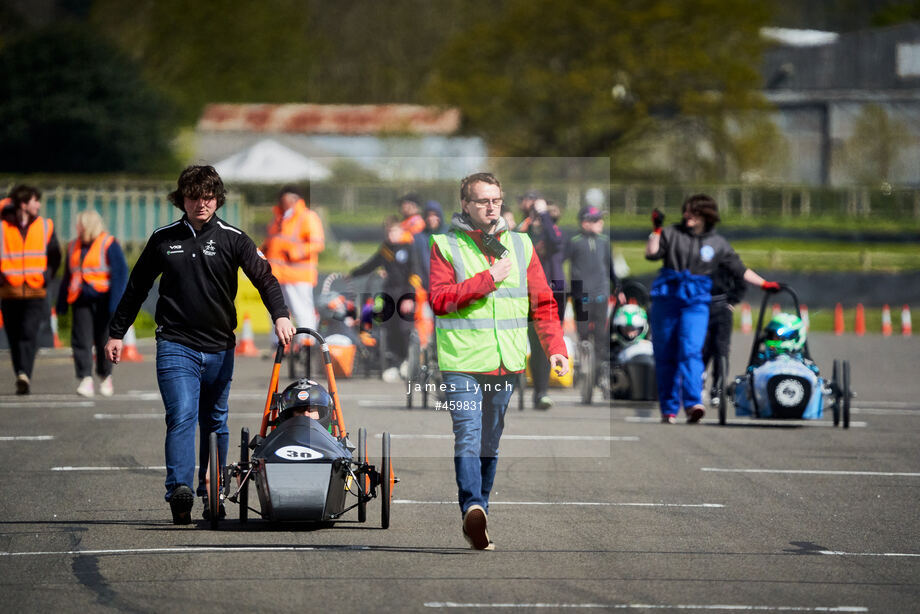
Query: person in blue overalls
{"x": 681, "y": 294}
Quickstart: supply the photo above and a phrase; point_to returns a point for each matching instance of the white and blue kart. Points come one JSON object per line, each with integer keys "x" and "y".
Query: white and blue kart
{"x": 788, "y": 387}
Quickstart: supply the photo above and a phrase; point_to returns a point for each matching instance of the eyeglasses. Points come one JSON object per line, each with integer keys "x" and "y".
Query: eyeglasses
{"x": 482, "y": 202}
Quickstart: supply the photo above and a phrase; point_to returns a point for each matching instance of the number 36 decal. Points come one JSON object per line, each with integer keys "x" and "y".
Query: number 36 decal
{"x": 297, "y": 453}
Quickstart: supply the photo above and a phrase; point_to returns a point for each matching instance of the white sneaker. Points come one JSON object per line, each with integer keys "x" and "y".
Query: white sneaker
{"x": 475, "y": 530}
{"x": 106, "y": 388}
{"x": 404, "y": 369}
{"x": 391, "y": 376}
{"x": 85, "y": 389}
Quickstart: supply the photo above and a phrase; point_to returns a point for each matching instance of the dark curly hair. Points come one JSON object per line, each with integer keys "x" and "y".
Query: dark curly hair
{"x": 23, "y": 193}
{"x": 196, "y": 182}
{"x": 704, "y": 206}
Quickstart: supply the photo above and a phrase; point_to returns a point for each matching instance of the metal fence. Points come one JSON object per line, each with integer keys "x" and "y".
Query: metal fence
{"x": 354, "y": 199}
{"x": 131, "y": 212}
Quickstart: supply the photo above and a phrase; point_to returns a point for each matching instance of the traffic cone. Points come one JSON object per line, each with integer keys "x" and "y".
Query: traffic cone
{"x": 747, "y": 323}
{"x": 54, "y": 328}
{"x": 247, "y": 342}
{"x": 905, "y": 321}
{"x": 776, "y": 309}
{"x": 838, "y": 320}
{"x": 886, "y": 321}
{"x": 860, "y": 326}
{"x": 129, "y": 351}
{"x": 568, "y": 320}
{"x": 805, "y": 321}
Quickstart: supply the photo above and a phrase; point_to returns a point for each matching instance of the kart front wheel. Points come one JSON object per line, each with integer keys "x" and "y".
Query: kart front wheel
{"x": 386, "y": 483}
{"x": 362, "y": 476}
{"x": 214, "y": 485}
{"x": 845, "y": 410}
{"x": 244, "y": 463}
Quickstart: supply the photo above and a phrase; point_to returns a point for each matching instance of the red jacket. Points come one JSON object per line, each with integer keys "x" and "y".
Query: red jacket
{"x": 448, "y": 296}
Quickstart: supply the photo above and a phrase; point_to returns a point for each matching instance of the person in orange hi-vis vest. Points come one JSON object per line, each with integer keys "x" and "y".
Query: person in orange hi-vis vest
{"x": 29, "y": 256}
{"x": 295, "y": 240}
{"x": 412, "y": 223}
{"x": 95, "y": 276}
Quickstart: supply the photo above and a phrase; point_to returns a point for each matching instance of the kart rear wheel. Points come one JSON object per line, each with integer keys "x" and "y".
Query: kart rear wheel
{"x": 362, "y": 476}
{"x": 214, "y": 485}
{"x": 386, "y": 483}
{"x": 846, "y": 394}
{"x": 586, "y": 370}
{"x": 836, "y": 388}
{"x": 720, "y": 389}
{"x": 244, "y": 465}
{"x": 413, "y": 365}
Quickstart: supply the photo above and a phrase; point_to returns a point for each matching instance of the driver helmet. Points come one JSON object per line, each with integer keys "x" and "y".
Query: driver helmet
{"x": 785, "y": 333}
{"x": 630, "y": 324}
{"x": 305, "y": 395}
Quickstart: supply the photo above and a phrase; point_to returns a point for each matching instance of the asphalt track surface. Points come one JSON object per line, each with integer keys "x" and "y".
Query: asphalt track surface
{"x": 594, "y": 507}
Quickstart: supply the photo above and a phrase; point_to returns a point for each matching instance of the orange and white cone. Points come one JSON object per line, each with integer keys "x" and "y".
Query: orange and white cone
{"x": 129, "y": 351}
{"x": 568, "y": 320}
{"x": 54, "y": 328}
{"x": 247, "y": 343}
{"x": 886, "y": 321}
{"x": 776, "y": 309}
{"x": 747, "y": 322}
{"x": 838, "y": 320}
{"x": 906, "y": 329}
{"x": 806, "y": 322}
{"x": 859, "y": 326}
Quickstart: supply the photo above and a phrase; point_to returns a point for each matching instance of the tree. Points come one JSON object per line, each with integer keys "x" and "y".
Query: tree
{"x": 875, "y": 145}
{"x": 587, "y": 78}
{"x": 217, "y": 51}
{"x": 71, "y": 103}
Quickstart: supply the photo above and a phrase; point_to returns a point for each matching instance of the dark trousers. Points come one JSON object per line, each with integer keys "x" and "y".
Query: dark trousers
{"x": 22, "y": 321}
{"x": 591, "y": 323}
{"x": 718, "y": 337}
{"x": 397, "y": 331}
{"x": 539, "y": 361}
{"x": 90, "y": 328}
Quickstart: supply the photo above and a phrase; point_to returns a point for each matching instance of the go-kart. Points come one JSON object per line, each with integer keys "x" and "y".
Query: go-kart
{"x": 303, "y": 470}
{"x": 632, "y": 368}
{"x": 788, "y": 384}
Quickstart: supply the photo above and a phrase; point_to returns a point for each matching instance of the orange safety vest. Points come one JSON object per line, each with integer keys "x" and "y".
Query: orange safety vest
{"x": 23, "y": 261}
{"x": 294, "y": 243}
{"x": 94, "y": 269}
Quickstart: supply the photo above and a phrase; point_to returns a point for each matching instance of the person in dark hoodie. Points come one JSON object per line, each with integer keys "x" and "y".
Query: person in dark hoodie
{"x": 486, "y": 283}
{"x": 29, "y": 256}
{"x": 395, "y": 306}
{"x": 433, "y": 215}
{"x": 540, "y": 225}
{"x": 681, "y": 294}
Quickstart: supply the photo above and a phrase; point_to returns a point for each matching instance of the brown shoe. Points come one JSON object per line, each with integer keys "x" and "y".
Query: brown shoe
{"x": 474, "y": 528}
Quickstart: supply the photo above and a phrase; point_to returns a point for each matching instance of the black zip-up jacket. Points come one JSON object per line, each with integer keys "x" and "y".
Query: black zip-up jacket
{"x": 700, "y": 254}
{"x": 591, "y": 265}
{"x": 198, "y": 284}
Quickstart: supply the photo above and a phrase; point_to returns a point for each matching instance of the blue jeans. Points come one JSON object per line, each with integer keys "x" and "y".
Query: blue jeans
{"x": 477, "y": 406}
{"x": 195, "y": 387}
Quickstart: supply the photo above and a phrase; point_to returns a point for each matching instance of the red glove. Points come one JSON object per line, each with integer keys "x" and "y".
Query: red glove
{"x": 657, "y": 219}
{"x": 770, "y": 286}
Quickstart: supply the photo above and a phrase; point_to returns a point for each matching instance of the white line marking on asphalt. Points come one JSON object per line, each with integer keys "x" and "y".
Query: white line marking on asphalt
{"x": 882, "y": 411}
{"x": 52, "y": 403}
{"x": 646, "y": 606}
{"x": 762, "y": 421}
{"x": 574, "y": 503}
{"x": 28, "y": 438}
{"x": 185, "y": 550}
{"x": 904, "y": 404}
{"x": 814, "y": 472}
{"x": 839, "y": 553}
{"x": 69, "y": 468}
{"x": 158, "y": 416}
{"x": 522, "y": 437}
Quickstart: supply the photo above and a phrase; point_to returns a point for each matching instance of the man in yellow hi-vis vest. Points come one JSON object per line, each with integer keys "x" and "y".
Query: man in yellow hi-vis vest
{"x": 486, "y": 283}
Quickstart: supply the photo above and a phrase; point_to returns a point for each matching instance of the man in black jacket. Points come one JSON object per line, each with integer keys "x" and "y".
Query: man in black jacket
{"x": 198, "y": 257}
